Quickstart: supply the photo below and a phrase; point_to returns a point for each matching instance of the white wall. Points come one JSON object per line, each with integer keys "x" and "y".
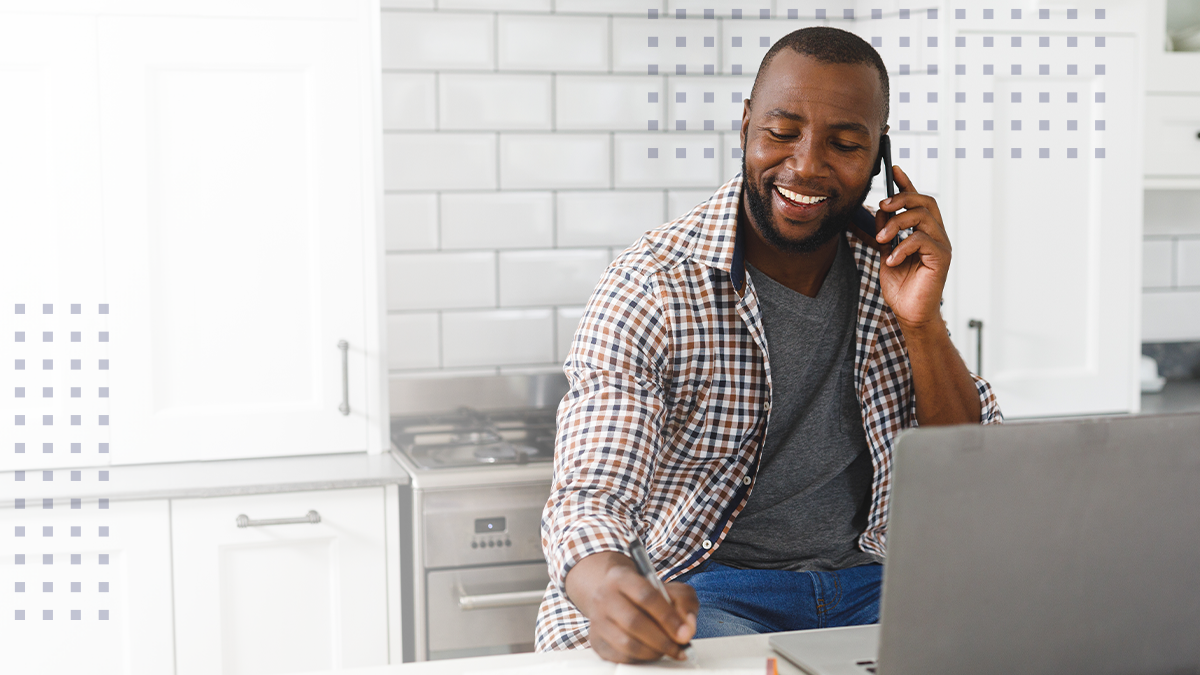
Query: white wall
{"x": 518, "y": 137}
{"x": 1171, "y": 267}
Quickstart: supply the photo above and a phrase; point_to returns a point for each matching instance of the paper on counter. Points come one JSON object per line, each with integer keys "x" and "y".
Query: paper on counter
{"x": 747, "y": 665}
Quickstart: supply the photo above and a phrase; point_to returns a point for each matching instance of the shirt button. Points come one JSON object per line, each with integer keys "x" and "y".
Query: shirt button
{"x": 747, "y": 480}
{"x": 706, "y": 544}
{"x": 767, "y": 406}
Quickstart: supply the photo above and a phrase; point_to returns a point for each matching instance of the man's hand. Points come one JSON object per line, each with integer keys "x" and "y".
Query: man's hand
{"x": 913, "y": 276}
{"x": 912, "y": 279}
{"x": 630, "y": 620}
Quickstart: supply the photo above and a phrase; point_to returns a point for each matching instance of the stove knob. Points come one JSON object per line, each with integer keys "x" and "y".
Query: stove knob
{"x": 491, "y": 543}
{"x": 474, "y": 545}
{"x": 508, "y": 542}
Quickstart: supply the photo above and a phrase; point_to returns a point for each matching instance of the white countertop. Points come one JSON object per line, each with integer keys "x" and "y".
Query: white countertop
{"x": 1176, "y": 396}
{"x": 739, "y": 653}
{"x": 205, "y": 479}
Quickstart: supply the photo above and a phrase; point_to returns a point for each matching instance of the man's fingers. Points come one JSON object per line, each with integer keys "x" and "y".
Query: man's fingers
{"x": 637, "y": 626}
{"x": 902, "y": 180}
{"x": 686, "y": 604}
{"x": 651, "y": 601}
{"x": 914, "y": 243}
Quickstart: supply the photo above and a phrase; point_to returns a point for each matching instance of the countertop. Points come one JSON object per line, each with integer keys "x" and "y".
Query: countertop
{"x": 740, "y": 653}
{"x": 205, "y": 479}
{"x": 1176, "y": 396}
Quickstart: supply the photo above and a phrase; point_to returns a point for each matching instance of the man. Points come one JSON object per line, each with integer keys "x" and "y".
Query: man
{"x": 740, "y": 375}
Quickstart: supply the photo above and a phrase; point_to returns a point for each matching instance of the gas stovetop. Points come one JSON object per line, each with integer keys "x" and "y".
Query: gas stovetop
{"x": 469, "y": 437}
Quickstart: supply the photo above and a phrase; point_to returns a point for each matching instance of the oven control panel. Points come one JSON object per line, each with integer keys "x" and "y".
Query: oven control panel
{"x": 476, "y": 526}
{"x": 491, "y": 533}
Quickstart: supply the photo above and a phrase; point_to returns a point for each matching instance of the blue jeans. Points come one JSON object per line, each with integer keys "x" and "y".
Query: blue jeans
{"x": 743, "y": 602}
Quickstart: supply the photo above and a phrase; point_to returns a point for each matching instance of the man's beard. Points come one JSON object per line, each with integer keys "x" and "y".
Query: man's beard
{"x": 831, "y": 225}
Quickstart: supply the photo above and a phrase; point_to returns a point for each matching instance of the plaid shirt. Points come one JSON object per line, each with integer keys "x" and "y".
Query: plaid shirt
{"x": 670, "y": 398}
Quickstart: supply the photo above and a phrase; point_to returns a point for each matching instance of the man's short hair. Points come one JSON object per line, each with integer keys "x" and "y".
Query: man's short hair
{"x": 830, "y": 45}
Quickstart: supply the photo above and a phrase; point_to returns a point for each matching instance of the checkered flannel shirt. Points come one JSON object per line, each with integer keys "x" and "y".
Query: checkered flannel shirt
{"x": 670, "y": 396}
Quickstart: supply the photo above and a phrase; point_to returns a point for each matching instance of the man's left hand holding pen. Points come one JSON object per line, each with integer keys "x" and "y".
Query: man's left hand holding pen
{"x": 631, "y": 621}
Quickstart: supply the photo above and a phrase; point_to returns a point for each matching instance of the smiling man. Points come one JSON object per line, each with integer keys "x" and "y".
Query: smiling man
{"x": 740, "y": 375}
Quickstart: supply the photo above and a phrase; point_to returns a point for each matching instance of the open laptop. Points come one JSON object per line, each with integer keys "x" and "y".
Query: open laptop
{"x": 1051, "y": 547}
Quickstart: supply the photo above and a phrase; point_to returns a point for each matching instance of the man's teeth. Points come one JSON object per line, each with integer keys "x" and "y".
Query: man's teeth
{"x": 799, "y": 198}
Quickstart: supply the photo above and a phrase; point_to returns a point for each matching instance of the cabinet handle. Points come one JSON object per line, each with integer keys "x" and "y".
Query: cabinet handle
{"x": 310, "y": 517}
{"x": 494, "y": 600}
{"x": 977, "y": 324}
{"x": 344, "y": 408}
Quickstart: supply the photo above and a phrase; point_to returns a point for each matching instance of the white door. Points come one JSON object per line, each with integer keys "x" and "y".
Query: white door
{"x": 87, "y": 589}
{"x": 238, "y": 229}
{"x": 282, "y": 598}
{"x": 51, "y": 269}
{"x": 1046, "y": 249}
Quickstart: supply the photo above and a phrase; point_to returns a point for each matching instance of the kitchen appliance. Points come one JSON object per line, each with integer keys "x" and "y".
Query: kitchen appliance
{"x": 479, "y": 451}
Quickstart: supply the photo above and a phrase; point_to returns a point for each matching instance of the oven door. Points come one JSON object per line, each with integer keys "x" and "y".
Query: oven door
{"x": 484, "y": 610}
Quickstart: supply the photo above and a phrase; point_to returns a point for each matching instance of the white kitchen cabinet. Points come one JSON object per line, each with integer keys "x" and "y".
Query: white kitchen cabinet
{"x": 100, "y": 603}
{"x": 239, "y": 231}
{"x": 49, "y": 234}
{"x": 209, "y": 173}
{"x": 1173, "y": 138}
{"x": 280, "y": 598}
{"x": 1045, "y": 248}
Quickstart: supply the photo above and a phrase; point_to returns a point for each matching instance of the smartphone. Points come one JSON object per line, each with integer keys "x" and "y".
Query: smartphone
{"x": 889, "y": 180}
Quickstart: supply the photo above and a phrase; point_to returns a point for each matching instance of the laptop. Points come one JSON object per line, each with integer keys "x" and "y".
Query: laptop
{"x": 1066, "y": 546}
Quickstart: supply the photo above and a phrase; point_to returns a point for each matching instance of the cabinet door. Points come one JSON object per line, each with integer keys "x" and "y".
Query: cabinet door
{"x": 1173, "y": 135}
{"x": 50, "y": 238}
{"x": 1046, "y": 246}
{"x": 239, "y": 225}
{"x": 87, "y": 589}
{"x": 280, "y": 598}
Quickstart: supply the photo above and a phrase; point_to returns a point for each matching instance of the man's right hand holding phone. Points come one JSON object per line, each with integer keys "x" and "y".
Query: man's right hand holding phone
{"x": 630, "y": 620}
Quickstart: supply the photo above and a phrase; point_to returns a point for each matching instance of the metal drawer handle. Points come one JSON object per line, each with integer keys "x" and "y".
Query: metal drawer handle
{"x": 310, "y": 517}
{"x": 977, "y": 324}
{"x": 344, "y": 408}
{"x": 494, "y": 600}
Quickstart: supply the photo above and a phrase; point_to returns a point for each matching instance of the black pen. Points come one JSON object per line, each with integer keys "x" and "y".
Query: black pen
{"x": 637, "y": 551}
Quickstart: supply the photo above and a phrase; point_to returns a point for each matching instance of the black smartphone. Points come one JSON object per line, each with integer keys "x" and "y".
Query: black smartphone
{"x": 889, "y": 180}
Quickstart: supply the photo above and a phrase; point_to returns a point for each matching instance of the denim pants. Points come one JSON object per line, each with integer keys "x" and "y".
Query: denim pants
{"x": 742, "y": 602}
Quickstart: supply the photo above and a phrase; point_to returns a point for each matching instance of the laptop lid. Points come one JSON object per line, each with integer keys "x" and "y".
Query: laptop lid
{"x": 1048, "y": 547}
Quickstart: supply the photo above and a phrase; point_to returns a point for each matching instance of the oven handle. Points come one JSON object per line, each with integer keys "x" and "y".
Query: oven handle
{"x": 494, "y": 600}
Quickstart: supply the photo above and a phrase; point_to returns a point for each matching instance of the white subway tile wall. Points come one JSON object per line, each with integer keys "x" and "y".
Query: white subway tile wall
{"x": 490, "y": 101}
{"x": 411, "y": 221}
{"x": 496, "y": 220}
{"x": 409, "y": 102}
{"x": 1171, "y": 266}
{"x": 528, "y": 142}
{"x": 524, "y": 275}
{"x": 498, "y": 337}
{"x": 439, "y": 161}
{"x": 608, "y": 217}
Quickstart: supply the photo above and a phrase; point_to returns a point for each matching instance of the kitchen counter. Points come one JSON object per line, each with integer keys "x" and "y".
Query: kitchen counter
{"x": 1176, "y": 396}
{"x": 739, "y": 653}
{"x": 205, "y": 479}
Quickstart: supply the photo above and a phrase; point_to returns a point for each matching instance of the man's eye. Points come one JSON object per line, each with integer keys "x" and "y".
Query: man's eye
{"x": 845, "y": 147}
{"x": 781, "y": 135}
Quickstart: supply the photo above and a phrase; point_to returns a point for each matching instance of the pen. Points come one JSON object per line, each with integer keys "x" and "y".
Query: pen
{"x": 637, "y": 551}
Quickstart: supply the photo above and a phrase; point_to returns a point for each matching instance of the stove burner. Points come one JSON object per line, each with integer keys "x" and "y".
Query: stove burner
{"x": 469, "y": 437}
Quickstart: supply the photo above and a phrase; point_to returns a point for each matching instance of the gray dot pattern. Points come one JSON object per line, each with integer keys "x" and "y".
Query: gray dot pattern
{"x": 65, "y": 413}
{"x": 899, "y": 49}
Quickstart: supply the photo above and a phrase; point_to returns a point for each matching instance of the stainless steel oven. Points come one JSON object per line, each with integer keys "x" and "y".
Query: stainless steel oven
{"x": 481, "y": 476}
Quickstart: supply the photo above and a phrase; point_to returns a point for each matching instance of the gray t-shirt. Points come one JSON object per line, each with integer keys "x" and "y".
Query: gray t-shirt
{"x": 813, "y": 489}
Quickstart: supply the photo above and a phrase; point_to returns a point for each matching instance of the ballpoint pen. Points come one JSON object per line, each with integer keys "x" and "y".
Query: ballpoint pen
{"x": 637, "y": 551}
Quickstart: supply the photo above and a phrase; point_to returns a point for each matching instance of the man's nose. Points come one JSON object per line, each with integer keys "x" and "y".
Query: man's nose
{"x": 808, "y": 158}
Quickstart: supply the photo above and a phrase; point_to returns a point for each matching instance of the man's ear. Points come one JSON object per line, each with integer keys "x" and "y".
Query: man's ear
{"x": 745, "y": 123}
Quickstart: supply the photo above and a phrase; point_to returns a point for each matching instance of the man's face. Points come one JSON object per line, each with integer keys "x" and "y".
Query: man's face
{"x": 811, "y": 138}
